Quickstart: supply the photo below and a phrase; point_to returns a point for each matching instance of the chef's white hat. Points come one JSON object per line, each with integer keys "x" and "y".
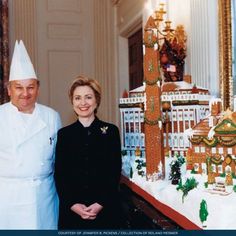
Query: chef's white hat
{"x": 21, "y": 65}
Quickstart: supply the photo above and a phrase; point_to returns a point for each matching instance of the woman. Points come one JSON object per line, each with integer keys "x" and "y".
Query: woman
{"x": 88, "y": 164}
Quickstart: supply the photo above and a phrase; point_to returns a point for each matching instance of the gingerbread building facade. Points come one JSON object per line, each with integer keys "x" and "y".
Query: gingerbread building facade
{"x": 213, "y": 140}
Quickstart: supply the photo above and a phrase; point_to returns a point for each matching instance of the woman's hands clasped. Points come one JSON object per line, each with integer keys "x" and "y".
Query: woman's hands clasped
{"x": 87, "y": 213}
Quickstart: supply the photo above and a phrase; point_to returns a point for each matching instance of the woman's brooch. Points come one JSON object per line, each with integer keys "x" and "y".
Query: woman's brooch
{"x": 104, "y": 129}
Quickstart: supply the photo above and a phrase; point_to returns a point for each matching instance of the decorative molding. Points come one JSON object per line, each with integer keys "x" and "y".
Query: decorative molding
{"x": 65, "y": 6}
{"x": 64, "y": 31}
{"x": 129, "y": 17}
{"x": 24, "y": 12}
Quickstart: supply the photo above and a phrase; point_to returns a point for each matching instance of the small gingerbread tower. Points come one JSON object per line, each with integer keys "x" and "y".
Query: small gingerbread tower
{"x": 153, "y": 115}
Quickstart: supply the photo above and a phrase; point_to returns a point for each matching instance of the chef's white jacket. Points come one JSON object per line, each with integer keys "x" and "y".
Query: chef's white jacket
{"x": 28, "y": 198}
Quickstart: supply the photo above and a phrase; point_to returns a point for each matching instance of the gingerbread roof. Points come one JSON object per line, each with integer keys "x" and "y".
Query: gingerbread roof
{"x": 137, "y": 90}
{"x": 182, "y": 86}
{"x": 175, "y": 87}
{"x": 225, "y": 125}
{"x": 202, "y": 128}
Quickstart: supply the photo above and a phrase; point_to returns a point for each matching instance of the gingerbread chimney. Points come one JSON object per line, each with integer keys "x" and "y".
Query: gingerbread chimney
{"x": 215, "y": 106}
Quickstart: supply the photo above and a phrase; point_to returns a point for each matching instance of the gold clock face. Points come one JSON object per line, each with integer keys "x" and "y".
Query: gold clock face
{"x": 228, "y": 160}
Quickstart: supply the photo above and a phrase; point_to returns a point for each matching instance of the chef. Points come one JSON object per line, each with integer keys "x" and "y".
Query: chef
{"x": 28, "y": 199}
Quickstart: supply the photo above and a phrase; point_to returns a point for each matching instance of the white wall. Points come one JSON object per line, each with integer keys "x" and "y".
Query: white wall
{"x": 66, "y": 38}
{"x": 65, "y": 49}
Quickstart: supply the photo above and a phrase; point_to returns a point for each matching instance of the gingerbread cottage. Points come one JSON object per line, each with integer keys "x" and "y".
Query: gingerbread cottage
{"x": 213, "y": 140}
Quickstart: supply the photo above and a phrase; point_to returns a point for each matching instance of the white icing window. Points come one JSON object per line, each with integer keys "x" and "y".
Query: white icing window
{"x": 175, "y": 141}
{"x": 137, "y": 140}
{"x": 213, "y": 168}
{"x": 227, "y": 169}
{"x": 174, "y": 116}
{"x": 221, "y": 150}
{"x": 180, "y": 116}
{"x": 196, "y": 149}
{"x": 170, "y": 141}
{"x": 131, "y": 117}
{"x": 141, "y": 117}
{"x": 127, "y": 141}
{"x": 190, "y": 115}
{"x": 204, "y": 168}
{"x": 185, "y": 115}
{"x": 213, "y": 150}
{"x": 132, "y": 141}
{"x": 220, "y": 169}
{"x": 196, "y": 167}
{"x": 203, "y": 149}
{"x": 164, "y": 140}
{"x": 142, "y": 141}
{"x": 230, "y": 151}
{"x": 136, "y": 128}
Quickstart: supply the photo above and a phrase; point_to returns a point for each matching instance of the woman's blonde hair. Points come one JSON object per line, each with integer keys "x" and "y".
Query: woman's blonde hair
{"x": 85, "y": 81}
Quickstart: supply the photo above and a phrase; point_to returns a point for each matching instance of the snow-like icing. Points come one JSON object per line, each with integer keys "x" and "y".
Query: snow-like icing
{"x": 220, "y": 208}
{"x": 211, "y": 133}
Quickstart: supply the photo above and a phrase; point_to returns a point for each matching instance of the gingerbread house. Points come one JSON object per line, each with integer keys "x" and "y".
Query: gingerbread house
{"x": 213, "y": 140}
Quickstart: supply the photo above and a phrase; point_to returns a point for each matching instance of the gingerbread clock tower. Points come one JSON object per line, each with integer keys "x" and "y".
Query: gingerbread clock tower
{"x": 155, "y": 163}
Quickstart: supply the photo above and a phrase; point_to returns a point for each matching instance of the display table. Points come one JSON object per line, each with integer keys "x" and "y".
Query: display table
{"x": 165, "y": 209}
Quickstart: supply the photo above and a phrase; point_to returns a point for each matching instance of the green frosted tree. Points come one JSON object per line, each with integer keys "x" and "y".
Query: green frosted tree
{"x": 190, "y": 184}
{"x": 203, "y": 212}
{"x": 131, "y": 173}
{"x": 175, "y": 172}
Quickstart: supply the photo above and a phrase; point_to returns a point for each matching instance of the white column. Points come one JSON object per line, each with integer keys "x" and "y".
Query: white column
{"x": 105, "y": 58}
{"x": 204, "y": 44}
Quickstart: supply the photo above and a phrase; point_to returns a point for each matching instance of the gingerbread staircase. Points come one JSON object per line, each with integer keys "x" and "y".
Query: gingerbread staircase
{"x": 219, "y": 188}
